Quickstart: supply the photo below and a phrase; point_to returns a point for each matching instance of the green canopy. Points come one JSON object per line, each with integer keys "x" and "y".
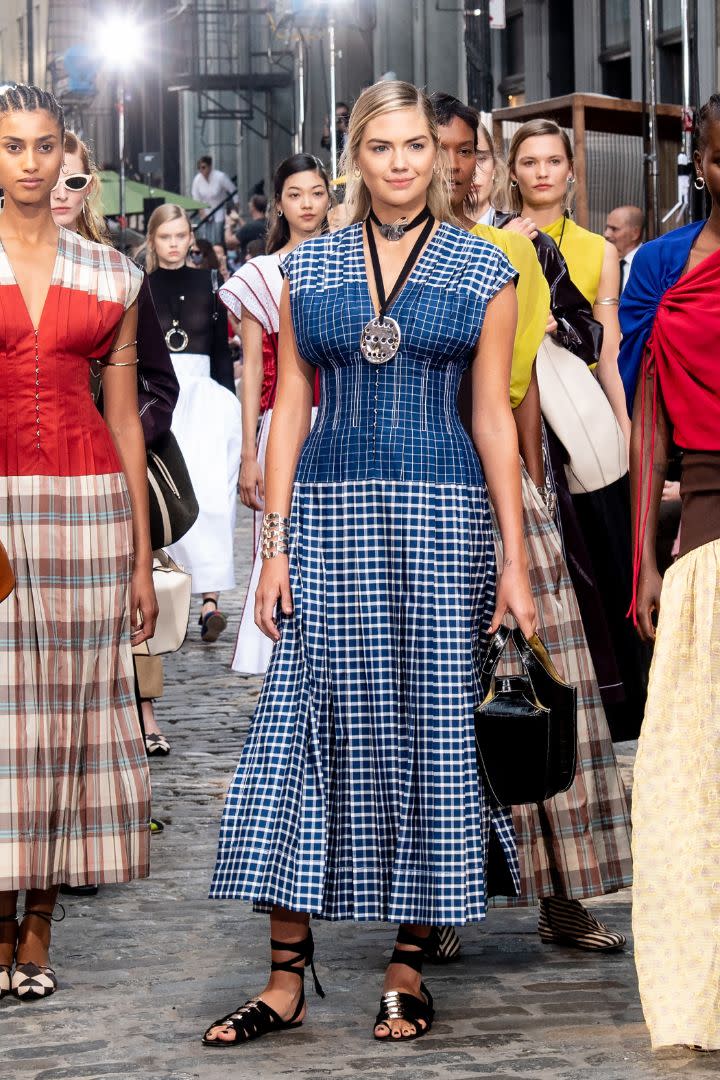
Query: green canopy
{"x": 134, "y": 195}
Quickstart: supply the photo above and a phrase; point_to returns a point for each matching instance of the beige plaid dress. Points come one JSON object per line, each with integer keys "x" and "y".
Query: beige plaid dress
{"x": 74, "y": 786}
{"x": 577, "y": 844}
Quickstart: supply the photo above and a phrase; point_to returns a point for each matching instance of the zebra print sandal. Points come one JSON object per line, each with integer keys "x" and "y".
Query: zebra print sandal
{"x": 442, "y": 945}
{"x": 6, "y": 969}
{"x": 567, "y": 922}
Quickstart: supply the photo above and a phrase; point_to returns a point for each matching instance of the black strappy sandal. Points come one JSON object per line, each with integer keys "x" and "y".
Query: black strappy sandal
{"x": 255, "y": 1018}
{"x": 6, "y": 969}
{"x": 32, "y": 982}
{"x": 395, "y": 1005}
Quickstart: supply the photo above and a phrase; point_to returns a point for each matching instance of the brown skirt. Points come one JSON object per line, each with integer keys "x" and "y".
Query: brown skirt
{"x": 74, "y": 781}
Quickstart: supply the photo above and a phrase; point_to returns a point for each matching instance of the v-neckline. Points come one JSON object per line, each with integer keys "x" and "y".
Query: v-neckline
{"x": 58, "y": 252}
{"x": 411, "y": 275}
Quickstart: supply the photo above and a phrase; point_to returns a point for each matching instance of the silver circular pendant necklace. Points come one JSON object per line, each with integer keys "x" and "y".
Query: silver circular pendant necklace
{"x": 380, "y": 338}
{"x": 176, "y": 338}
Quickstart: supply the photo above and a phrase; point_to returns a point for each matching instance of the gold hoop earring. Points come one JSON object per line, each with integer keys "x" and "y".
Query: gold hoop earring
{"x": 699, "y": 183}
{"x": 357, "y": 174}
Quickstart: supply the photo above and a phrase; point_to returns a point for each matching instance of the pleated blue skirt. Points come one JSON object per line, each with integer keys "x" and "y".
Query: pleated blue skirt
{"x": 357, "y": 793}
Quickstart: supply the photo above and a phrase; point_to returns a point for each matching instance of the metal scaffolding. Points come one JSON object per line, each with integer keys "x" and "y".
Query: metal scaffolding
{"x": 225, "y": 53}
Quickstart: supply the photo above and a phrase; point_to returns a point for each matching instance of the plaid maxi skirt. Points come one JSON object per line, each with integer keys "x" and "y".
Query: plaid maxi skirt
{"x": 357, "y": 793}
{"x": 74, "y": 782}
{"x": 577, "y": 844}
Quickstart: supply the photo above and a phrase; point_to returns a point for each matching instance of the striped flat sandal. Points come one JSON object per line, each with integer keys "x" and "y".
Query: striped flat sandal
{"x": 442, "y": 945}
{"x": 567, "y": 922}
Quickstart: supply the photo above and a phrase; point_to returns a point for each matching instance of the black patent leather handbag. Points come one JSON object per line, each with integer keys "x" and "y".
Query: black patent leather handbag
{"x": 525, "y": 725}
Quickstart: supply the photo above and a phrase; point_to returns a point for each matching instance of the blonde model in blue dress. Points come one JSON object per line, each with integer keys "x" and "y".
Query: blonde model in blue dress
{"x": 357, "y": 794}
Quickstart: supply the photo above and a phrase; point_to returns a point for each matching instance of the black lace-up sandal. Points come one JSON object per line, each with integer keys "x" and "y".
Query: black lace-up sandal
{"x": 32, "y": 982}
{"x": 394, "y": 1005}
{"x": 6, "y": 969}
{"x": 255, "y": 1018}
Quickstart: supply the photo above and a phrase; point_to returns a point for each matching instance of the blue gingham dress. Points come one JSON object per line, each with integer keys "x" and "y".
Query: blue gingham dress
{"x": 357, "y": 794}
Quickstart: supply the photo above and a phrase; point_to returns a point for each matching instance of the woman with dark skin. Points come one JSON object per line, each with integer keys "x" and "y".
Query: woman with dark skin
{"x": 74, "y": 794}
{"x": 579, "y": 846}
{"x": 672, "y": 325}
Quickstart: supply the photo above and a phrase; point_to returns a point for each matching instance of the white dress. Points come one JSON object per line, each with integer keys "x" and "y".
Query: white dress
{"x": 207, "y": 424}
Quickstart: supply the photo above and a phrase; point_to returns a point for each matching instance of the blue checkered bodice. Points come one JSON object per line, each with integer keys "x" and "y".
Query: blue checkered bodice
{"x": 398, "y": 421}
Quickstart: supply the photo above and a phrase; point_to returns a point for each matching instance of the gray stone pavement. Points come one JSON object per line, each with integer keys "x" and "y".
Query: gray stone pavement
{"x": 145, "y": 967}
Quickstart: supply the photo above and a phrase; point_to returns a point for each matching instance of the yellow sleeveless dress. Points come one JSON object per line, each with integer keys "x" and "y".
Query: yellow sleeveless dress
{"x": 583, "y": 251}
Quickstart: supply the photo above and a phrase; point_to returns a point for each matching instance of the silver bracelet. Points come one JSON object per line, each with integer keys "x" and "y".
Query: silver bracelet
{"x": 275, "y": 538}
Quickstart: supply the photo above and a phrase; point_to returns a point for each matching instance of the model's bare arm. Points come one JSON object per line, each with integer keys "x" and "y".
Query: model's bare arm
{"x": 528, "y": 421}
{"x": 607, "y": 370}
{"x": 495, "y": 437}
{"x": 251, "y": 483}
{"x": 123, "y": 420}
{"x": 646, "y": 496}
{"x": 288, "y": 430}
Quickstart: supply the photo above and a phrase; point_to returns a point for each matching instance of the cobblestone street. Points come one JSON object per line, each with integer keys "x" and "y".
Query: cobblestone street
{"x": 144, "y": 968}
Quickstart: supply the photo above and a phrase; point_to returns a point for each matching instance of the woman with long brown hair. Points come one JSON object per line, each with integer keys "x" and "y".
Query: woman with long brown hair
{"x": 76, "y": 203}
{"x": 301, "y": 202}
{"x": 357, "y": 794}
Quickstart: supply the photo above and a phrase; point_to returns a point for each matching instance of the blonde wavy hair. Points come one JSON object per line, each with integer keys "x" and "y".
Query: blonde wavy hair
{"x": 377, "y": 100}
{"x": 91, "y": 223}
{"x": 161, "y": 214}
{"x": 530, "y": 130}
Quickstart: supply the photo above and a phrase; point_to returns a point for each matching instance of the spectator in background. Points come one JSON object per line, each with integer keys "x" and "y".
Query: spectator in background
{"x": 624, "y": 229}
{"x": 342, "y": 119}
{"x": 202, "y": 256}
{"x": 256, "y": 227}
{"x": 211, "y": 186}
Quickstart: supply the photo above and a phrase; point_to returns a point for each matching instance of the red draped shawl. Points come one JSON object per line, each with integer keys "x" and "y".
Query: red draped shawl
{"x": 683, "y": 355}
{"x": 684, "y": 351}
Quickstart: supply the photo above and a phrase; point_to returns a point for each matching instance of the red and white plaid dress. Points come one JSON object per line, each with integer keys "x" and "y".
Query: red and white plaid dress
{"x": 74, "y": 783}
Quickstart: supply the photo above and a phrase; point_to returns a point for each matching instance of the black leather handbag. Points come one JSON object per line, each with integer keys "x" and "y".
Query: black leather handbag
{"x": 525, "y": 726}
{"x": 173, "y": 505}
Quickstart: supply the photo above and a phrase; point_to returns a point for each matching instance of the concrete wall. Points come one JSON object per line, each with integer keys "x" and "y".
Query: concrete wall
{"x": 13, "y": 51}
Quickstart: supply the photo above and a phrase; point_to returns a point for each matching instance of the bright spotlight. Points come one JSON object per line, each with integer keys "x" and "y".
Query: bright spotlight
{"x": 120, "y": 41}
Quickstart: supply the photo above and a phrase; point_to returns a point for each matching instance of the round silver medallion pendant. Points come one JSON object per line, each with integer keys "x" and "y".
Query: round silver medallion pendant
{"x": 380, "y": 340}
{"x": 176, "y": 339}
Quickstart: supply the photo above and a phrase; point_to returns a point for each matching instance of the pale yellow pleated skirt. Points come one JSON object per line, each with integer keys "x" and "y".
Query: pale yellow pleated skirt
{"x": 676, "y": 813}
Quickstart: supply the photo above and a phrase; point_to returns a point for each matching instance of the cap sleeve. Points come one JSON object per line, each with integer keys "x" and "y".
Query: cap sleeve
{"x": 122, "y": 277}
{"x": 249, "y": 289}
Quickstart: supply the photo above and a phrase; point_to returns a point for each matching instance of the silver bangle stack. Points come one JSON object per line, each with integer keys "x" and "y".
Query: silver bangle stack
{"x": 275, "y": 535}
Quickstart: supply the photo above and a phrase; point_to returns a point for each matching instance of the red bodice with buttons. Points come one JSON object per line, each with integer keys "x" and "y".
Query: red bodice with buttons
{"x": 48, "y": 421}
